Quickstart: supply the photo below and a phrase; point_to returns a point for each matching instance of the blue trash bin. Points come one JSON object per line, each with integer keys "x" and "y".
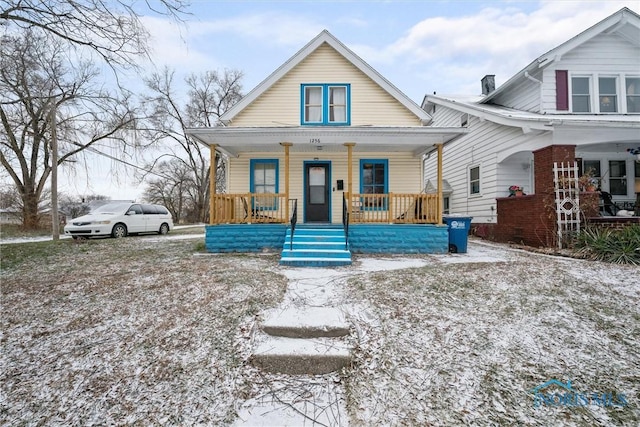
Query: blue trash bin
{"x": 458, "y": 227}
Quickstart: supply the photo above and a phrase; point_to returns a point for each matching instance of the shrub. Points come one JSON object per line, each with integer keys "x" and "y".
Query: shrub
{"x": 616, "y": 246}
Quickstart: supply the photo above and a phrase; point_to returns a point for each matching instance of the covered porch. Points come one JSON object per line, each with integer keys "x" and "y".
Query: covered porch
{"x": 368, "y": 181}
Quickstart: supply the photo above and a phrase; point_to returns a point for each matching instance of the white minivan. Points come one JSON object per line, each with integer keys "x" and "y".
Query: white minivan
{"x": 121, "y": 219}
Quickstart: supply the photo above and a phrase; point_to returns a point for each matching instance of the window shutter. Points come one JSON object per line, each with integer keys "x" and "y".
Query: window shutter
{"x": 562, "y": 90}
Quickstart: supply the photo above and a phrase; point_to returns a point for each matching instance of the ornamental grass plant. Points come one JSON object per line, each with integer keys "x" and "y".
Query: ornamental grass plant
{"x": 615, "y": 246}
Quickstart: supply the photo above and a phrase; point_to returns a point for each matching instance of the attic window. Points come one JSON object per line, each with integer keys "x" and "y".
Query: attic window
{"x": 325, "y": 104}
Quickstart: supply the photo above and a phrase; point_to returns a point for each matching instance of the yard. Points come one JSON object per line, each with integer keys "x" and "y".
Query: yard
{"x": 151, "y": 330}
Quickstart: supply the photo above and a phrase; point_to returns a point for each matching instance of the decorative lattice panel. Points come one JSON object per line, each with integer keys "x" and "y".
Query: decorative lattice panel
{"x": 567, "y": 201}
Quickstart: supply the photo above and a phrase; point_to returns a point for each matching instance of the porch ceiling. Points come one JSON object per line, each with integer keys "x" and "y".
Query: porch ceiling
{"x": 235, "y": 141}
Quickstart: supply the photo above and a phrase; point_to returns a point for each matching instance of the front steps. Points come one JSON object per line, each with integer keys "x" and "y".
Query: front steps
{"x": 302, "y": 341}
{"x": 315, "y": 246}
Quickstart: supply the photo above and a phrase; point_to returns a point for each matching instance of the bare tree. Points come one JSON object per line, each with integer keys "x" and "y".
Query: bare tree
{"x": 75, "y": 206}
{"x": 110, "y": 28}
{"x": 171, "y": 189}
{"x": 210, "y": 94}
{"x": 36, "y": 79}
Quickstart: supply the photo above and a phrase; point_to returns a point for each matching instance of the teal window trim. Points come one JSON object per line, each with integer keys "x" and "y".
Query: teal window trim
{"x": 325, "y": 116}
{"x": 252, "y": 183}
{"x": 385, "y": 185}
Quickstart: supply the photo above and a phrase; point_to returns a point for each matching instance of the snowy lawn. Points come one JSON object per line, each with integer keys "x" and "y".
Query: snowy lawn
{"x": 146, "y": 330}
{"x": 128, "y": 331}
{"x": 456, "y": 343}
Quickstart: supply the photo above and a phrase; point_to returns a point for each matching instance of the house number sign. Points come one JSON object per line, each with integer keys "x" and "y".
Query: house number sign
{"x": 314, "y": 141}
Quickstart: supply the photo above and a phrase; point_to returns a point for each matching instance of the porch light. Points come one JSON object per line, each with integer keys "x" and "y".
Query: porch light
{"x": 319, "y": 147}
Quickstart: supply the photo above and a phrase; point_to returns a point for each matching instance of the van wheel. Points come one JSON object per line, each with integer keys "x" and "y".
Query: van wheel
{"x": 164, "y": 229}
{"x": 119, "y": 230}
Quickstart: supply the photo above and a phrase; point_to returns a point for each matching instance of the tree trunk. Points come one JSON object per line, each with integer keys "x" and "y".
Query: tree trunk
{"x": 30, "y": 216}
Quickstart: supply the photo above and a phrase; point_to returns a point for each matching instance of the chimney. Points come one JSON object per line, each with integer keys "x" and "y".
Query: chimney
{"x": 488, "y": 84}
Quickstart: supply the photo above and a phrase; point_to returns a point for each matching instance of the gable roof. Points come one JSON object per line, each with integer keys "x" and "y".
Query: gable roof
{"x": 624, "y": 23}
{"x": 325, "y": 37}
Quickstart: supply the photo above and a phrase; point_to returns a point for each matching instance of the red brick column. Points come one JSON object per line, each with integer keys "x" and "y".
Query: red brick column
{"x": 544, "y": 159}
{"x": 532, "y": 219}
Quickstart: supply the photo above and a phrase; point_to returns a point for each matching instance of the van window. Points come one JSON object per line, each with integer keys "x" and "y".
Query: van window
{"x": 136, "y": 208}
{"x": 149, "y": 210}
{"x": 162, "y": 210}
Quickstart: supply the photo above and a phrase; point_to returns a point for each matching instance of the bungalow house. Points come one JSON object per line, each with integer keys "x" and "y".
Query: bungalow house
{"x": 578, "y": 102}
{"x": 325, "y": 142}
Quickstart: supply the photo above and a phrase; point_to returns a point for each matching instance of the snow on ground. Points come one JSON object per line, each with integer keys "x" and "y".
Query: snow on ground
{"x": 136, "y": 332}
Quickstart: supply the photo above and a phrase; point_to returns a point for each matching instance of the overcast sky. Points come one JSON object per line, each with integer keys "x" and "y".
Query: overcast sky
{"x": 420, "y": 46}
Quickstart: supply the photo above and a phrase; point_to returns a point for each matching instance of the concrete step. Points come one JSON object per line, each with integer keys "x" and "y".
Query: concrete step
{"x": 296, "y": 356}
{"x": 315, "y": 245}
{"x": 306, "y": 322}
{"x": 314, "y": 261}
{"x": 316, "y": 253}
{"x": 321, "y": 237}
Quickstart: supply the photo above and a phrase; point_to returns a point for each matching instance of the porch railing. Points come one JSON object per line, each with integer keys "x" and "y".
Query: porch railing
{"x": 250, "y": 208}
{"x": 393, "y": 208}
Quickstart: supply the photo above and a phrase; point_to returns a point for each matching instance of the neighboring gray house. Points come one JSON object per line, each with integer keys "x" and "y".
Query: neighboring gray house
{"x": 583, "y": 93}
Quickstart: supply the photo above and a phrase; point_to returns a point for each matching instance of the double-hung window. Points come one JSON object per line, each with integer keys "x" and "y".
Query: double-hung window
{"x": 581, "y": 94}
{"x": 374, "y": 180}
{"x": 325, "y": 104}
{"x": 264, "y": 180}
{"x": 474, "y": 180}
{"x": 632, "y": 89}
{"x": 618, "y": 177}
{"x": 607, "y": 93}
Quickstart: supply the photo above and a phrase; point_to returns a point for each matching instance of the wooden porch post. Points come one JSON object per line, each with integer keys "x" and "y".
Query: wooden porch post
{"x": 286, "y": 146}
{"x": 213, "y": 169}
{"x": 350, "y": 146}
{"x": 440, "y": 201}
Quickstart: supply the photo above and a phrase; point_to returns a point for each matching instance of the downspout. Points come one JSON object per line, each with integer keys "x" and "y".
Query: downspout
{"x": 533, "y": 79}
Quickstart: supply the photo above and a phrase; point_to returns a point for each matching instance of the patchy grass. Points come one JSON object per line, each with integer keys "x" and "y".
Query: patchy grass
{"x": 464, "y": 344}
{"x": 136, "y": 330}
{"x": 10, "y": 231}
{"x": 150, "y": 330}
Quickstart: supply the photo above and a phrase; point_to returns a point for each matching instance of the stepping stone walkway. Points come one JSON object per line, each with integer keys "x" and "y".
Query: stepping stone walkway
{"x": 301, "y": 344}
{"x": 302, "y": 341}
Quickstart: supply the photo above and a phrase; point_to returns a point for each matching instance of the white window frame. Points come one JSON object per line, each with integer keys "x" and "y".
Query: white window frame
{"x": 591, "y": 92}
{"x": 479, "y": 180}
{"x": 617, "y": 94}
{"x": 624, "y": 93}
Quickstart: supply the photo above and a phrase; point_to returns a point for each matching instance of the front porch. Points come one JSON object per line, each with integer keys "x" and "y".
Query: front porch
{"x": 391, "y": 208}
{"x": 371, "y": 223}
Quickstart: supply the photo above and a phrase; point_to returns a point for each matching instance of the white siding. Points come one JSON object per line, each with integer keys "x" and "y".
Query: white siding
{"x": 404, "y": 175}
{"x": 370, "y": 104}
{"x": 482, "y": 147}
{"x": 525, "y": 96}
{"x": 605, "y": 54}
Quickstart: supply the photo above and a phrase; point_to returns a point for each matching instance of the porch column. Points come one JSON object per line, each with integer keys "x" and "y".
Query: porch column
{"x": 350, "y": 146}
{"x": 213, "y": 169}
{"x": 286, "y": 146}
{"x": 439, "y": 203}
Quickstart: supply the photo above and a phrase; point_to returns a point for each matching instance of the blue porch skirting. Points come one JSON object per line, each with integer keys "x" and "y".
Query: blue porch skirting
{"x": 363, "y": 238}
{"x": 398, "y": 238}
{"x": 244, "y": 237}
